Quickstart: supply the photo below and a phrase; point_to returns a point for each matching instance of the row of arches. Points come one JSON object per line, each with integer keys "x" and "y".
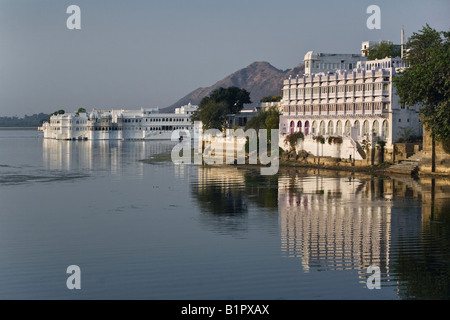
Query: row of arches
{"x": 339, "y": 128}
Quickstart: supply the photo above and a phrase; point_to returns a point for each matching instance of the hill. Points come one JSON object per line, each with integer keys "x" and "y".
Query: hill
{"x": 259, "y": 78}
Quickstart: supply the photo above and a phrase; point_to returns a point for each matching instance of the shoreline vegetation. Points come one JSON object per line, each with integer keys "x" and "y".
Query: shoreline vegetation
{"x": 374, "y": 171}
{"x": 19, "y": 128}
{"x": 381, "y": 170}
{"x": 33, "y": 121}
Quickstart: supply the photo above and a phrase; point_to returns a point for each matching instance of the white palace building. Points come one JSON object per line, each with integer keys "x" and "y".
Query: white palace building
{"x": 143, "y": 124}
{"x": 346, "y": 96}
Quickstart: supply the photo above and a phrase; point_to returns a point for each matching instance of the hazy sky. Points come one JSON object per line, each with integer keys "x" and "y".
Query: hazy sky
{"x": 136, "y": 53}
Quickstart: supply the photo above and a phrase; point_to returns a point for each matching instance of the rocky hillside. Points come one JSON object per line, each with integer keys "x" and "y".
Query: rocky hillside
{"x": 260, "y": 79}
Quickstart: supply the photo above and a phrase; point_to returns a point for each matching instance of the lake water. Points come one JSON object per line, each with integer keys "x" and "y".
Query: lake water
{"x": 156, "y": 230}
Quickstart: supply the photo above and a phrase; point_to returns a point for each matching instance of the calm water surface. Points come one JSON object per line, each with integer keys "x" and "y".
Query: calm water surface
{"x": 155, "y": 230}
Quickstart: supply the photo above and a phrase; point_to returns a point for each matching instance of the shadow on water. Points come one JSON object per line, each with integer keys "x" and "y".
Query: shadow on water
{"x": 425, "y": 266}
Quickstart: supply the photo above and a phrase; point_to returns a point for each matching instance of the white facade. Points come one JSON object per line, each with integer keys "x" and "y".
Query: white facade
{"x": 330, "y": 62}
{"x": 348, "y": 233}
{"x": 120, "y": 124}
{"x": 356, "y": 106}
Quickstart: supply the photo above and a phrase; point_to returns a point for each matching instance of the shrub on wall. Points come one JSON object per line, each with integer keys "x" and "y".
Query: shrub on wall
{"x": 292, "y": 139}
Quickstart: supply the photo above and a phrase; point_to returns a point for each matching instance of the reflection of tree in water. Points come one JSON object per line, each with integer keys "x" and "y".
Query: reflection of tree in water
{"x": 220, "y": 198}
{"x": 224, "y": 195}
{"x": 262, "y": 190}
{"x": 426, "y": 270}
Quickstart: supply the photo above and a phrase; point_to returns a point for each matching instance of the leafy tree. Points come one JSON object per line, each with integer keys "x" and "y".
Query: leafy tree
{"x": 384, "y": 49}
{"x": 427, "y": 82}
{"x": 59, "y": 112}
{"x": 81, "y": 110}
{"x": 213, "y": 109}
{"x": 292, "y": 139}
{"x": 271, "y": 99}
{"x": 269, "y": 119}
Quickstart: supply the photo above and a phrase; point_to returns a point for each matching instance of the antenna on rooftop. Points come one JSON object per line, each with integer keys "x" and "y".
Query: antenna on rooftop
{"x": 403, "y": 41}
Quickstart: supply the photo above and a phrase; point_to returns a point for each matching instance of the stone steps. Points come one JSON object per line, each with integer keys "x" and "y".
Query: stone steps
{"x": 408, "y": 166}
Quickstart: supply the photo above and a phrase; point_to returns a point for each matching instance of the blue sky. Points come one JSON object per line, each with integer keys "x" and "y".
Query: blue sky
{"x": 131, "y": 54}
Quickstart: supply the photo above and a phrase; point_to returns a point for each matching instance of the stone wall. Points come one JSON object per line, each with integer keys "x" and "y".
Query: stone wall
{"x": 442, "y": 157}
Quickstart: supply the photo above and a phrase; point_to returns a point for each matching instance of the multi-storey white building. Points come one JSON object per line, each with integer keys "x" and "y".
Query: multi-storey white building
{"x": 119, "y": 124}
{"x": 355, "y": 105}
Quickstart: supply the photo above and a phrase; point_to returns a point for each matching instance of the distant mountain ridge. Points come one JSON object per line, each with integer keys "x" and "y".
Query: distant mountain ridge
{"x": 259, "y": 78}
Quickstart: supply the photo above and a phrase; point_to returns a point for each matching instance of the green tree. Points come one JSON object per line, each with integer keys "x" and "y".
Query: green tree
{"x": 59, "y": 112}
{"x": 269, "y": 119}
{"x": 427, "y": 82}
{"x": 213, "y": 109}
{"x": 271, "y": 99}
{"x": 81, "y": 110}
{"x": 384, "y": 49}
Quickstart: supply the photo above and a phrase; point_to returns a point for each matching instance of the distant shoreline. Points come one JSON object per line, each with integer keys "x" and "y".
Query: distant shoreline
{"x": 18, "y": 128}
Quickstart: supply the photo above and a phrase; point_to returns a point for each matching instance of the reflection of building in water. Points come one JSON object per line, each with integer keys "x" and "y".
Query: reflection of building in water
{"x": 99, "y": 154}
{"x": 334, "y": 223}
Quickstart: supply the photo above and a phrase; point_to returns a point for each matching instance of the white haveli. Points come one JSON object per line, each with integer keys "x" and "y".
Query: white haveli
{"x": 120, "y": 124}
{"x": 339, "y": 111}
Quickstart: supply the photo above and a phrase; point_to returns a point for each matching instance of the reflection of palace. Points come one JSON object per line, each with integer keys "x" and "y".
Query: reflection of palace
{"x": 98, "y": 154}
{"x": 334, "y": 223}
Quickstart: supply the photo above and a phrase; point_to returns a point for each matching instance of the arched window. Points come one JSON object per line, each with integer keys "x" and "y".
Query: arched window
{"x": 357, "y": 125}
{"x": 366, "y": 128}
{"x": 322, "y": 127}
{"x": 330, "y": 127}
{"x": 307, "y": 127}
{"x": 299, "y": 126}
{"x": 376, "y": 128}
{"x": 347, "y": 128}
{"x": 314, "y": 127}
{"x": 292, "y": 127}
{"x": 339, "y": 128}
{"x": 385, "y": 129}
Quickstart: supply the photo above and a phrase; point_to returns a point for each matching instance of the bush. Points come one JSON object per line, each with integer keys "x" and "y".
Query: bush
{"x": 292, "y": 139}
{"x": 319, "y": 138}
{"x": 336, "y": 140}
